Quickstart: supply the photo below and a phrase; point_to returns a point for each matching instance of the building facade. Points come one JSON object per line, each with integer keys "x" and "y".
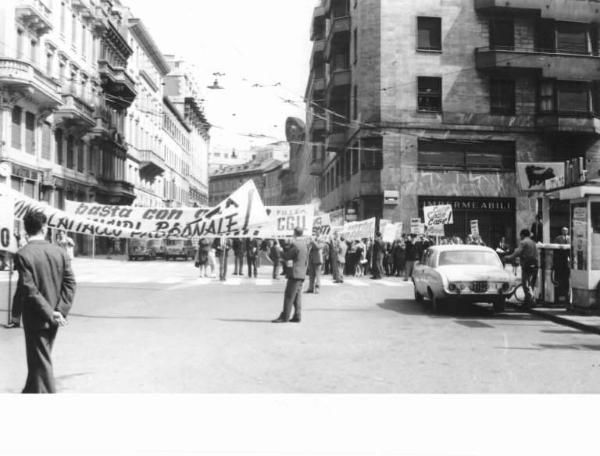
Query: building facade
{"x": 265, "y": 175}
{"x": 220, "y": 157}
{"x": 434, "y": 102}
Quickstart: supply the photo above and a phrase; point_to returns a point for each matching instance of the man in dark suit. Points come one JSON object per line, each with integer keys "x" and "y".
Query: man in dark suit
{"x": 378, "y": 255}
{"x": 238, "y": 252}
{"x": 251, "y": 256}
{"x": 297, "y": 261}
{"x": 45, "y": 289}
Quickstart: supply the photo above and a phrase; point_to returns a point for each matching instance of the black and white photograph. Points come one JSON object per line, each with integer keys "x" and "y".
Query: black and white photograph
{"x": 247, "y": 202}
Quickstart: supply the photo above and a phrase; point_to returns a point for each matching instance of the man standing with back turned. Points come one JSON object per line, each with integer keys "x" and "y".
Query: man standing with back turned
{"x": 297, "y": 261}
{"x": 46, "y": 288}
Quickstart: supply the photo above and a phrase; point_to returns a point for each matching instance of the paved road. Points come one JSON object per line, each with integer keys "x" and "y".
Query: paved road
{"x": 155, "y": 327}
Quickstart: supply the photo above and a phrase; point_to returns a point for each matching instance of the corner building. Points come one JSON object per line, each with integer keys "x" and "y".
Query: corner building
{"x": 431, "y": 102}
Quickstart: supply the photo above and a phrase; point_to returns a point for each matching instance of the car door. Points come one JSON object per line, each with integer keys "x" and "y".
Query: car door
{"x": 420, "y": 273}
{"x": 434, "y": 278}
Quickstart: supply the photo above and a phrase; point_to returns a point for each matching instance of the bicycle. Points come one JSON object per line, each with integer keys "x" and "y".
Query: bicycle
{"x": 519, "y": 290}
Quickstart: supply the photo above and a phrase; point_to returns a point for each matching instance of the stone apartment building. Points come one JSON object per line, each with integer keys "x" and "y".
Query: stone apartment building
{"x": 423, "y": 102}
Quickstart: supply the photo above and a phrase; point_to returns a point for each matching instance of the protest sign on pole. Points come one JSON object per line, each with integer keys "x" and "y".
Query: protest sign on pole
{"x": 337, "y": 217}
{"x": 399, "y": 227}
{"x": 388, "y": 234}
{"x": 415, "y": 226}
{"x": 438, "y": 215}
{"x": 284, "y": 219}
{"x": 475, "y": 227}
{"x": 321, "y": 225}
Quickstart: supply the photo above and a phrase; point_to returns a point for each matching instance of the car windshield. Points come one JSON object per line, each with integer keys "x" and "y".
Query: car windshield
{"x": 469, "y": 257}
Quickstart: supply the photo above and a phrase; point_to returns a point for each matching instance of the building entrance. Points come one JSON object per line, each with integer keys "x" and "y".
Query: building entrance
{"x": 495, "y": 216}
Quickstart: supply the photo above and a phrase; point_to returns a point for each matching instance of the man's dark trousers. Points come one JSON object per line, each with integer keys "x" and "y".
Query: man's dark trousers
{"x": 314, "y": 273}
{"x": 40, "y": 376}
{"x": 251, "y": 266}
{"x": 239, "y": 264}
{"x": 223, "y": 265}
{"x": 292, "y": 297}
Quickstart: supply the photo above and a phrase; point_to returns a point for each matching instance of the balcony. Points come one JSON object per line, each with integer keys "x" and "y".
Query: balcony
{"x": 23, "y": 76}
{"x": 335, "y": 140}
{"x": 116, "y": 192}
{"x": 35, "y": 15}
{"x": 318, "y": 23}
{"x": 565, "y": 123}
{"x": 338, "y": 33}
{"x": 151, "y": 165}
{"x": 118, "y": 83}
{"x": 75, "y": 113}
{"x": 317, "y": 167}
{"x": 317, "y": 55}
{"x": 318, "y": 125}
{"x": 338, "y": 86}
{"x": 572, "y": 11}
{"x": 84, "y": 8}
{"x": 550, "y": 64}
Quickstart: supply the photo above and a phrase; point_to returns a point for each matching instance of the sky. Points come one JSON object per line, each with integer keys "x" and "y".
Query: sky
{"x": 264, "y": 42}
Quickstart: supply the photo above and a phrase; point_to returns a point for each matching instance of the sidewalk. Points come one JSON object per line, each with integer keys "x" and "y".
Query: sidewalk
{"x": 586, "y": 323}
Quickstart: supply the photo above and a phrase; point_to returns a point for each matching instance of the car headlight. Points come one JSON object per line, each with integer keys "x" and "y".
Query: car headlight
{"x": 452, "y": 287}
{"x": 505, "y": 286}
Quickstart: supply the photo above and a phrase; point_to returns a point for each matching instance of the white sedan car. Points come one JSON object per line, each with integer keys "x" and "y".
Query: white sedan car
{"x": 462, "y": 273}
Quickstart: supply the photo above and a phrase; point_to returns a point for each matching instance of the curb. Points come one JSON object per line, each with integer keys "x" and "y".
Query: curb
{"x": 565, "y": 321}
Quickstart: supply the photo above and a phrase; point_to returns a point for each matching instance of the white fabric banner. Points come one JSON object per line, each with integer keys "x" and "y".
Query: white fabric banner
{"x": 359, "y": 230}
{"x": 240, "y": 214}
{"x": 285, "y": 218}
{"x": 8, "y": 243}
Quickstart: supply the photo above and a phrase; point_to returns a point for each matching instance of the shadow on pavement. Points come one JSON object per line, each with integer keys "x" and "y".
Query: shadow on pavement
{"x": 463, "y": 312}
{"x": 120, "y": 317}
{"x": 569, "y": 347}
{"x": 242, "y": 320}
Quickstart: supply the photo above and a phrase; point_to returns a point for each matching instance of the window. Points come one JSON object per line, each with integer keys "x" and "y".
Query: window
{"x": 354, "y": 158}
{"x": 546, "y": 96}
{"x": 502, "y": 34}
{"x": 62, "y": 18}
{"x": 30, "y": 133}
{"x": 573, "y": 97}
{"x": 33, "y": 51}
{"x": 58, "y": 138}
{"x": 355, "y": 45}
{"x": 74, "y": 31}
{"x": 17, "y": 114}
{"x": 80, "y": 156}
{"x": 348, "y": 170}
{"x": 70, "y": 152}
{"x": 46, "y": 141}
{"x": 502, "y": 96}
{"x": 371, "y": 153}
{"x": 429, "y": 97}
{"x": 545, "y": 37}
{"x": 572, "y": 38}
{"x": 429, "y": 34}
{"x": 355, "y": 103}
{"x": 596, "y": 97}
{"x": 496, "y": 156}
{"x": 340, "y": 8}
{"x": 341, "y": 60}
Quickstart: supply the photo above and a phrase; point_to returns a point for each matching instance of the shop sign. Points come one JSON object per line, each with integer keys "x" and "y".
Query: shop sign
{"x": 471, "y": 204}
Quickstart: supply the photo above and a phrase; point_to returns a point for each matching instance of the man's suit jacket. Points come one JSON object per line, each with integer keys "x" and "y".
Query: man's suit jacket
{"x": 298, "y": 253}
{"x": 378, "y": 249}
{"x": 46, "y": 283}
{"x": 342, "y": 249}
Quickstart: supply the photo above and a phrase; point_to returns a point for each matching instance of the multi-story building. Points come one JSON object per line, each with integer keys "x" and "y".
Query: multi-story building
{"x": 64, "y": 92}
{"x": 184, "y": 92}
{"x": 279, "y": 150}
{"x": 220, "y": 157}
{"x": 146, "y": 163}
{"x": 431, "y": 102}
{"x": 265, "y": 175}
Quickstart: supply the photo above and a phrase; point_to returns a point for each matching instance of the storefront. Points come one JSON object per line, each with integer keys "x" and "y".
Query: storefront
{"x": 495, "y": 216}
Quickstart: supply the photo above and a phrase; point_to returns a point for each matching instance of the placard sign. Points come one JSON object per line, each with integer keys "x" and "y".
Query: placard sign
{"x": 416, "y": 227}
{"x": 438, "y": 215}
{"x": 321, "y": 225}
{"x": 475, "y": 227}
{"x": 8, "y": 243}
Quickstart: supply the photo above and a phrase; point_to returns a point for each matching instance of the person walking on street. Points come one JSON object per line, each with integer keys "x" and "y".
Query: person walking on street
{"x": 528, "y": 254}
{"x": 333, "y": 256}
{"x": 251, "y": 256}
{"x": 537, "y": 229}
{"x": 326, "y": 262}
{"x": 315, "y": 262}
{"x": 275, "y": 256}
{"x": 411, "y": 257}
{"x": 201, "y": 260}
{"x": 238, "y": 252}
{"x": 225, "y": 248}
{"x": 342, "y": 249}
{"x": 46, "y": 289}
{"x": 378, "y": 256}
{"x": 296, "y": 257}
{"x": 66, "y": 243}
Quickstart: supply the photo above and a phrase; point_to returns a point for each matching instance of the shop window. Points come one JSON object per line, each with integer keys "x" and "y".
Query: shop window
{"x": 30, "y": 133}
{"x": 429, "y": 96}
{"x": 429, "y": 34}
{"x": 502, "y": 96}
{"x": 572, "y": 38}
{"x": 493, "y": 156}
{"x": 371, "y": 153}
{"x": 17, "y": 114}
{"x": 502, "y": 34}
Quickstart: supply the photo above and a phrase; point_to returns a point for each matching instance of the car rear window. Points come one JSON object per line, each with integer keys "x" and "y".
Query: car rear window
{"x": 469, "y": 257}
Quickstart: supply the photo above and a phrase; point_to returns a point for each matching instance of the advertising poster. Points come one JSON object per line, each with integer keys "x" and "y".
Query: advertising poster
{"x": 533, "y": 176}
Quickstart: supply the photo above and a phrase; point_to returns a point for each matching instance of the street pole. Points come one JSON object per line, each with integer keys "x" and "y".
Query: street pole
{"x": 10, "y": 273}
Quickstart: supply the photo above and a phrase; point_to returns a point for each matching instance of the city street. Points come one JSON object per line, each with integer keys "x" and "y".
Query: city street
{"x": 154, "y": 327}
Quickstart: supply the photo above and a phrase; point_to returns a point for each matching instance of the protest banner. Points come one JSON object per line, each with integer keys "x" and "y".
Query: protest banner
{"x": 359, "y": 230}
{"x": 337, "y": 217}
{"x": 399, "y": 227}
{"x": 321, "y": 225}
{"x": 238, "y": 215}
{"x": 438, "y": 215}
{"x": 475, "y": 227}
{"x": 8, "y": 242}
{"x": 285, "y": 218}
